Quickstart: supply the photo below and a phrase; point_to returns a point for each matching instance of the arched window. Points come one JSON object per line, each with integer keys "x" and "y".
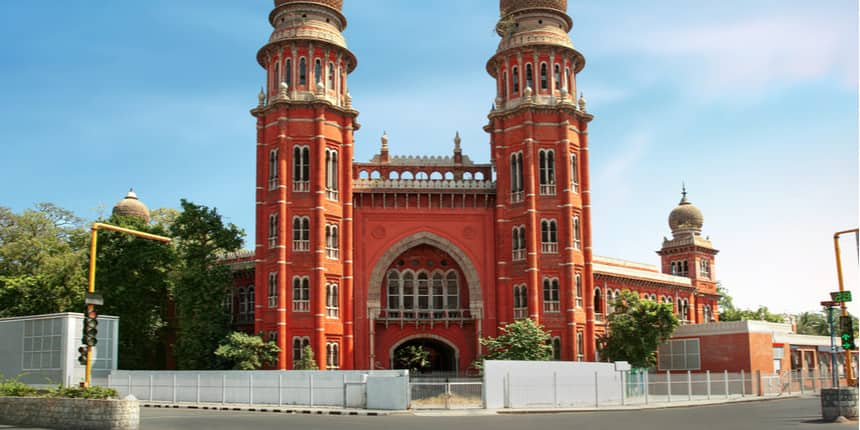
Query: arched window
{"x": 551, "y": 303}
{"x": 549, "y": 236}
{"x": 544, "y": 79}
{"x": 578, "y": 287}
{"x": 332, "y": 302}
{"x": 277, "y": 75}
{"x": 437, "y": 291}
{"x": 332, "y": 242}
{"x": 299, "y": 345}
{"x": 580, "y": 346}
{"x": 408, "y": 279}
{"x": 288, "y": 72}
{"x": 557, "y": 75}
{"x": 546, "y": 161}
{"x": 517, "y": 177}
{"x": 452, "y": 287}
{"x": 318, "y": 76}
{"x": 332, "y": 355}
{"x": 556, "y": 348}
{"x": 301, "y": 169}
{"x": 303, "y": 71}
{"x": 530, "y": 82}
{"x": 577, "y": 233}
{"x": 521, "y": 305}
{"x": 504, "y": 85}
{"x": 331, "y": 174}
{"x": 273, "y": 169}
{"x": 331, "y": 76}
{"x": 301, "y": 234}
{"x": 251, "y": 302}
{"x": 516, "y": 80}
{"x": 273, "y": 290}
{"x": 227, "y": 304}
{"x": 301, "y": 294}
{"x": 598, "y": 303}
{"x": 273, "y": 230}
{"x": 568, "y": 82}
{"x": 574, "y": 173}
{"x": 423, "y": 292}
{"x": 243, "y": 305}
{"x": 707, "y": 314}
{"x": 394, "y": 292}
{"x": 519, "y": 243}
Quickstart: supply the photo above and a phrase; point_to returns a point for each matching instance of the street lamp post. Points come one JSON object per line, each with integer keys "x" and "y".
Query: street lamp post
{"x": 91, "y": 289}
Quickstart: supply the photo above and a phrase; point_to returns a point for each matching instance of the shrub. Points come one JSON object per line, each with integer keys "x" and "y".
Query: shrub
{"x": 16, "y": 388}
{"x": 95, "y": 393}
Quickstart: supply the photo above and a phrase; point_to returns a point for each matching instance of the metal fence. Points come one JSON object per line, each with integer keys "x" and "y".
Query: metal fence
{"x": 446, "y": 393}
{"x": 346, "y": 389}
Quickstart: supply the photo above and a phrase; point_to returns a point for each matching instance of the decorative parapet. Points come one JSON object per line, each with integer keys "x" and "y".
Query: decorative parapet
{"x": 422, "y": 184}
{"x": 423, "y": 160}
{"x": 627, "y": 272}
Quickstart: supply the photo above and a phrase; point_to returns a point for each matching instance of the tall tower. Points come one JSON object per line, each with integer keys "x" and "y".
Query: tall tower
{"x": 305, "y": 125}
{"x": 691, "y": 255}
{"x": 539, "y": 138}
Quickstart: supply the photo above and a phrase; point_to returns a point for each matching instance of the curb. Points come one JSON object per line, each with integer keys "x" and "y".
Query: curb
{"x": 642, "y": 407}
{"x": 268, "y": 409}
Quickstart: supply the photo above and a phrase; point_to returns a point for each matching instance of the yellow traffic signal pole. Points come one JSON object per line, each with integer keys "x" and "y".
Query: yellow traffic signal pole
{"x": 849, "y": 371}
{"x": 92, "y": 284}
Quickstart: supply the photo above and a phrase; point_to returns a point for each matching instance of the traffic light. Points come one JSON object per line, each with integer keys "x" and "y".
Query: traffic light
{"x": 82, "y": 358}
{"x": 91, "y": 324}
{"x": 846, "y": 332}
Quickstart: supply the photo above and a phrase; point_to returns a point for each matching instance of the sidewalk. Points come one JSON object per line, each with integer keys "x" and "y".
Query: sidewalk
{"x": 660, "y": 405}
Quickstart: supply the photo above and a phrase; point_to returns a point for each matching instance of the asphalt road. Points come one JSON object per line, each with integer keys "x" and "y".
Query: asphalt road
{"x": 774, "y": 414}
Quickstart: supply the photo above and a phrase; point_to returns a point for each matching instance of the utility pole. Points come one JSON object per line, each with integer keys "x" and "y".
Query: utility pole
{"x": 849, "y": 370}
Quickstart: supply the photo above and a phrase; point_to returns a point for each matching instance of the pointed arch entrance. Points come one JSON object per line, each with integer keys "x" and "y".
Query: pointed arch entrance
{"x": 442, "y": 356}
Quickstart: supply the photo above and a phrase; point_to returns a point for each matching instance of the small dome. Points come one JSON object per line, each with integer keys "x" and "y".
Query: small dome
{"x": 686, "y": 218}
{"x": 131, "y": 206}
{"x": 510, "y": 6}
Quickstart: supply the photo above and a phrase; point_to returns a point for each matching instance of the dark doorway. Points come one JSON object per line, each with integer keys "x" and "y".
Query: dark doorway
{"x": 442, "y": 357}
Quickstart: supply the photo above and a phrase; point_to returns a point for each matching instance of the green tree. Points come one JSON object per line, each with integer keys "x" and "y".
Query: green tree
{"x": 199, "y": 284}
{"x": 308, "y": 361}
{"x": 413, "y": 357}
{"x": 520, "y": 340}
{"x": 635, "y": 328}
{"x": 242, "y": 351}
{"x": 133, "y": 276}
{"x": 728, "y": 312}
{"x": 43, "y": 254}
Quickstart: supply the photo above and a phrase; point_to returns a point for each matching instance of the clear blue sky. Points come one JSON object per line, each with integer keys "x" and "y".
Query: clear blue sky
{"x": 752, "y": 103}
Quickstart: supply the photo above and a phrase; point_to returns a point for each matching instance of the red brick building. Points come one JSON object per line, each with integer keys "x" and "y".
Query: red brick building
{"x": 358, "y": 259}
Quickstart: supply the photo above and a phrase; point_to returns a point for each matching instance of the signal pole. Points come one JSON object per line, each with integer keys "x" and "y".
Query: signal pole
{"x": 91, "y": 289}
{"x": 849, "y": 370}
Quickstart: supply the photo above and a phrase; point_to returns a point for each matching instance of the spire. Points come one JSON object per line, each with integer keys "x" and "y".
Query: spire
{"x": 684, "y": 200}
{"x": 383, "y": 152}
{"x": 457, "y": 141}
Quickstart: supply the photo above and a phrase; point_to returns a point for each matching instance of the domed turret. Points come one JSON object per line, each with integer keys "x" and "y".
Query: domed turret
{"x": 131, "y": 206}
{"x": 686, "y": 218}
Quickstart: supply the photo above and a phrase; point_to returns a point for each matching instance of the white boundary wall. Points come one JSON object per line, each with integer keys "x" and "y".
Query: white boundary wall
{"x": 526, "y": 384}
{"x": 346, "y": 389}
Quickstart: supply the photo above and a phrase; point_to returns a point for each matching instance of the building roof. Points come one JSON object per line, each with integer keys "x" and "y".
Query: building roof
{"x": 637, "y": 271}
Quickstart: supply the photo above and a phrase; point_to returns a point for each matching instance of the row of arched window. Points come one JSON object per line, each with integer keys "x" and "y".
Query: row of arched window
{"x": 551, "y": 297}
{"x": 515, "y": 89}
{"x": 283, "y": 71}
{"x": 546, "y": 174}
{"x": 421, "y": 176}
{"x": 245, "y": 298}
{"x": 302, "y": 171}
{"x": 432, "y": 291}
{"x": 302, "y": 236}
{"x": 332, "y": 352}
{"x": 549, "y": 238}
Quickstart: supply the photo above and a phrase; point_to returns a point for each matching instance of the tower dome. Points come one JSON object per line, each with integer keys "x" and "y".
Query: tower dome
{"x": 507, "y": 7}
{"x": 686, "y": 218}
{"x": 131, "y": 206}
{"x": 334, "y": 4}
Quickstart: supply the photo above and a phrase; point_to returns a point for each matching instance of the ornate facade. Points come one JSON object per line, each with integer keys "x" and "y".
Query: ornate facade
{"x": 359, "y": 259}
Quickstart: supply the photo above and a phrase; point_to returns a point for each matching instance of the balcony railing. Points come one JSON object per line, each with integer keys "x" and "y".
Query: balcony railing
{"x": 273, "y": 184}
{"x": 331, "y": 312}
{"x": 521, "y": 313}
{"x": 438, "y": 315}
{"x": 547, "y": 190}
{"x": 517, "y": 196}
{"x": 301, "y": 306}
{"x": 549, "y": 248}
{"x": 598, "y": 317}
{"x": 331, "y": 194}
{"x": 273, "y": 242}
{"x": 552, "y": 307}
{"x": 301, "y": 245}
{"x": 519, "y": 254}
{"x": 332, "y": 253}
{"x": 301, "y": 186}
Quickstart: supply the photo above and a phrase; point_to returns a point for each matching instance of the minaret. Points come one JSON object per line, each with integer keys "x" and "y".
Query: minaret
{"x": 539, "y": 138}
{"x": 691, "y": 255}
{"x": 305, "y": 125}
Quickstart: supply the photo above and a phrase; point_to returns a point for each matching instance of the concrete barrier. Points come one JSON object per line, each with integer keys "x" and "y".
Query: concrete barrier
{"x": 73, "y": 414}
{"x": 836, "y": 402}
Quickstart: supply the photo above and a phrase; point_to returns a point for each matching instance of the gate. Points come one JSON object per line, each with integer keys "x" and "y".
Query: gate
{"x": 446, "y": 393}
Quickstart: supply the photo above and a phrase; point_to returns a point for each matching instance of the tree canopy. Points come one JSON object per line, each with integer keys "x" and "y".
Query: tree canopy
{"x": 635, "y": 328}
{"x": 520, "y": 340}
{"x": 242, "y": 351}
{"x": 728, "y": 312}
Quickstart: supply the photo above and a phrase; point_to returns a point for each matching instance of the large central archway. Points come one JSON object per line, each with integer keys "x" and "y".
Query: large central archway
{"x": 442, "y": 356}
{"x": 473, "y": 282}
